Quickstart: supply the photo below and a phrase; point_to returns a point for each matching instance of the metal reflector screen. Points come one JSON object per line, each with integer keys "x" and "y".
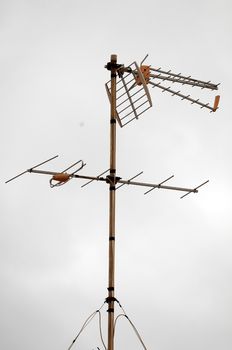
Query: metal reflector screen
{"x": 132, "y": 95}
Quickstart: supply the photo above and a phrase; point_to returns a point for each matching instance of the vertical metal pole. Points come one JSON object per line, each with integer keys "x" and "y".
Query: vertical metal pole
{"x": 112, "y": 177}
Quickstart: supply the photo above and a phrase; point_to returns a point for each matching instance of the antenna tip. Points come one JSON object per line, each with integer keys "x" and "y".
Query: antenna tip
{"x": 216, "y": 103}
{"x": 113, "y": 58}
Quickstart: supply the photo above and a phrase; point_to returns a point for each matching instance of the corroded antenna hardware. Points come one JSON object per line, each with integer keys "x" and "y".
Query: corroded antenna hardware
{"x": 129, "y": 98}
{"x": 132, "y": 93}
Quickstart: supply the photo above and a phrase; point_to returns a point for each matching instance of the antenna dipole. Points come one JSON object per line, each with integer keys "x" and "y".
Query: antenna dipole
{"x": 129, "y": 98}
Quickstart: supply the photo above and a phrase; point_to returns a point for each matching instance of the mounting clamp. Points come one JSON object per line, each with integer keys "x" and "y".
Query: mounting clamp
{"x": 109, "y": 299}
{"x": 112, "y": 179}
{"x": 112, "y": 65}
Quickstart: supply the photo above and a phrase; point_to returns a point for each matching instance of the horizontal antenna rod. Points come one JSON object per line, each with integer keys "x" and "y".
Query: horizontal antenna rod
{"x": 120, "y": 181}
{"x": 125, "y": 182}
{"x": 183, "y": 81}
{"x": 159, "y": 184}
{"x": 184, "y": 77}
{"x": 195, "y": 189}
{"x": 72, "y": 165}
{"x": 144, "y": 184}
{"x": 30, "y": 170}
{"x": 184, "y": 97}
{"x": 132, "y": 178}
{"x": 93, "y": 178}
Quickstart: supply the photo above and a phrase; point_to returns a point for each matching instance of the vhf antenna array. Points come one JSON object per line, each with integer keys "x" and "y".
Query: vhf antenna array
{"x": 129, "y": 98}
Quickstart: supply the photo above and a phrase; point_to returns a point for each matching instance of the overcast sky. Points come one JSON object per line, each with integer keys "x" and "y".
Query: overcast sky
{"x": 174, "y": 261}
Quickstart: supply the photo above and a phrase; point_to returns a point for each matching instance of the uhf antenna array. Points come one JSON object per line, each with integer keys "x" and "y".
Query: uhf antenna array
{"x": 129, "y": 98}
{"x": 132, "y": 93}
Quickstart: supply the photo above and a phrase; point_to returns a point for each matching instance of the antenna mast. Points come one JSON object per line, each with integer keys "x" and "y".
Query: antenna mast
{"x": 129, "y": 98}
{"x": 112, "y": 189}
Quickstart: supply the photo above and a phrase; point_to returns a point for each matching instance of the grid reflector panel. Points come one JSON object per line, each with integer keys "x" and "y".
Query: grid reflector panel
{"x": 132, "y": 98}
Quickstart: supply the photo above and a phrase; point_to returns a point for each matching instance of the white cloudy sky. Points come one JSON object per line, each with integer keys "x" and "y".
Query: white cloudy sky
{"x": 174, "y": 263}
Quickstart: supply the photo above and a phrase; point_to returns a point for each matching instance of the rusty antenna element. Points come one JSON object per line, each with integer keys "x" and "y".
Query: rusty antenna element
{"x": 129, "y": 98}
{"x": 132, "y": 93}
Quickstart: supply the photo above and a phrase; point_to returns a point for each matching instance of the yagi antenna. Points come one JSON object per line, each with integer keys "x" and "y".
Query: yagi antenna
{"x": 132, "y": 93}
{"x": 129, "y": 98}
{"x": 158, "y": 75}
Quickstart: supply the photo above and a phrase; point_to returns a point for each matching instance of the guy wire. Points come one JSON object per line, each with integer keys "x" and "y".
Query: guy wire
{"x": 131, "y": 323}
{"x": 85, "y": 324}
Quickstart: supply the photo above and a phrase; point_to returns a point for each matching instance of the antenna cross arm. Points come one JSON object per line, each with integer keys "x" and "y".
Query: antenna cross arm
{"x": 31, "y": 169}
{"x": 165, "y": 187}
{"x": 55, "y": 173}
{"x": 63, "y": 177}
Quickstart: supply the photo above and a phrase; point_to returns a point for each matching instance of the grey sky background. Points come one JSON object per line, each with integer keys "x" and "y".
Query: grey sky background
{"x": 174, "y": 263}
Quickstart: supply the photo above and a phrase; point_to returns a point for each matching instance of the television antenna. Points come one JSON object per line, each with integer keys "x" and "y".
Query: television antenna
{"x": 129, "y": 98}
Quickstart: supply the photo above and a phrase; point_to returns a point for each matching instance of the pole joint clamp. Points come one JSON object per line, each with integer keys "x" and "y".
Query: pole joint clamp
{"x": 112, "y": 179}
{"x": 110, "y": 310}
{"x": 110, "y": 299}
{"x": 112, "y": 65}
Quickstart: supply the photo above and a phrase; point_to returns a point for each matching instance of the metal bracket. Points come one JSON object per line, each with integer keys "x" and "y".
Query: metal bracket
{"x": 112, "y": 179}
{"x": 112, "y": 65}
